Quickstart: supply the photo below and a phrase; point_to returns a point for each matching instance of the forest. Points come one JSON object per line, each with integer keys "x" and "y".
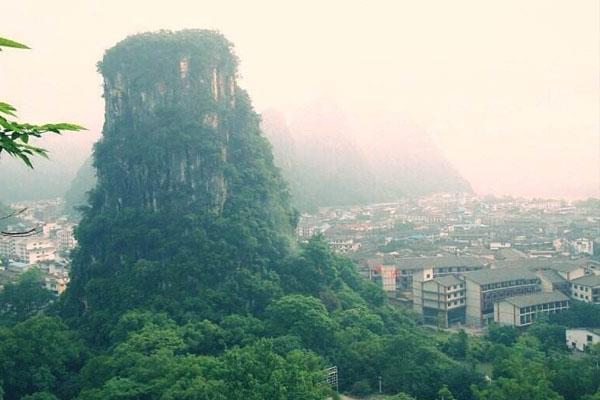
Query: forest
{"x": 187, "y": 283}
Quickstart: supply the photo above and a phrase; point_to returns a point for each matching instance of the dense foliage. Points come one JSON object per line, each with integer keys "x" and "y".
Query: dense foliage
{"x": 24, "y": 298}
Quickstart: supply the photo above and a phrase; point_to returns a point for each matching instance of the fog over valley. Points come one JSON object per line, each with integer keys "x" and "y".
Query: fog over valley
{"x": 510, "y": 111}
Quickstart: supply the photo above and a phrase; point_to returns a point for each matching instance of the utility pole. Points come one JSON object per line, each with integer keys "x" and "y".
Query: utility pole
{"x": 380, "y": 387}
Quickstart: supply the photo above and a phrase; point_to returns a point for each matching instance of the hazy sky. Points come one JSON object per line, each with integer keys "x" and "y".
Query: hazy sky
{"x": 508, "y": 89}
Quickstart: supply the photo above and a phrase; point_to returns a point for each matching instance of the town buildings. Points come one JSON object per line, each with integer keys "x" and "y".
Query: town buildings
{"x": 486, "y": 287}
{"x": 439, "y": 266}
{"x": 524, "y": 310}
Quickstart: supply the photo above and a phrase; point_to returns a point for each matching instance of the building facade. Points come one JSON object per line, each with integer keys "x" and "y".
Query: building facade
{"x": 525, "y": 310}
{"x": 581, "y": 338}
{"x": 441, "y": 266}
{"x": 34, "y": 250}
{"x": 441, "y": 301}
{"x": 484, "y": 288}
{"x": 586, "y": 289}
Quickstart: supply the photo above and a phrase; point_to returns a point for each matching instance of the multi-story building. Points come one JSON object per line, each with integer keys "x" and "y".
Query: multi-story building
{"x": 66, "y": 239}
{"x": 586, "y": 288}
{"x": 486, "y": 287}
{"x": 568, "y": 270}
{"x": 7, "y": 247}
{"x": 34, "y": 250}
{"x": 441, "y": 301}
{"x": 525, "y": 310}
{"x": 440, "y": 266}
{"x": 583, "y": 246}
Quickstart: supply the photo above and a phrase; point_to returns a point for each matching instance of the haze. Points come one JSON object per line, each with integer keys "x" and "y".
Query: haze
{"x": 508, "y": 90}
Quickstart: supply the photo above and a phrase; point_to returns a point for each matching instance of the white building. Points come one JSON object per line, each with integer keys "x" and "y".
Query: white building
{"x": 66, "y": 239}
{"x": 441, "y": 300}
{"x": 344, "y": 246}
{"x": 34, "y": 250}
{"x": 499, "y": 245}
{"x": 586, "y": 288}
{"x": 583, "y": 246}
{"x": 525, "y": 310}
{"x": 581, "y": 338}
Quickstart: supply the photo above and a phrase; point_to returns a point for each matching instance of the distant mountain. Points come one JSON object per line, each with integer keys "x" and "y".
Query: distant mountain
{"x": 321, "y": 164}
{"x": 329, "y": 161}
{"x": 77, "y": 193}
{"x": 406, "y": 161}
{"x": 51, "y": 177}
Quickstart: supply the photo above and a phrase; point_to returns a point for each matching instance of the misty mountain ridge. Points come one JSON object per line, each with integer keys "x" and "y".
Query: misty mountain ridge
{"x": 329, "y": 160}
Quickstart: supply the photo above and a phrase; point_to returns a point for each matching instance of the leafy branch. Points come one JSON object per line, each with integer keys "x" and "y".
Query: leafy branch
{"x": 14, "y": 136}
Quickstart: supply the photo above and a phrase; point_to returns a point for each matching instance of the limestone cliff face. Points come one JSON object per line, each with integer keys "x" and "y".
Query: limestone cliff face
{"x": 188, "y": 204}
{"x": 168, "y": 102}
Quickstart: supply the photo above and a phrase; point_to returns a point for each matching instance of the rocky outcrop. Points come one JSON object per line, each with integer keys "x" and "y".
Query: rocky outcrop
{"x": 171, "y": 101}
{"x": 188, "y": 201}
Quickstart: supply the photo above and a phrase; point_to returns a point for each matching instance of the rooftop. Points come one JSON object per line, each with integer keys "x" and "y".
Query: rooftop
{"x": 560, "y": 265}
{"x": 551, "y": 276}
{"x": 438, "y": 262}
{"x": 588, "y": 280}
{"x": 487, "y": 276}
{"x": 536, "y": 298}
{"x": 593, "y": 330}
{"x": 448, "y": 280}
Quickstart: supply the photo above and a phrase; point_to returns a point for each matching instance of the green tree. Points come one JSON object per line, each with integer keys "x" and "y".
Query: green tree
{"x": 513, "y": 389}
{"x": 24, "y": 298}
{"x": 445, "y": 394}
{"x": 502, "y": 334}
{"x": 305, "y": 317}
{"x": 457, "y": 346}
{"x": 39, "y": 355}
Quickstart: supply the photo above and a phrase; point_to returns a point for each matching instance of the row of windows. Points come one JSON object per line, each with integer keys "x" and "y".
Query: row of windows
{"x": 456, "y": 302}
{"x": 584, "y": 288}
{"x": 529, "y": 318}
{"x": 542, "y": 307}
{"x": 455, "y": 287}
{"x": 456, "y": 294}
{"x": 455, "y": 269}
{"x": 518, "y": 282}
